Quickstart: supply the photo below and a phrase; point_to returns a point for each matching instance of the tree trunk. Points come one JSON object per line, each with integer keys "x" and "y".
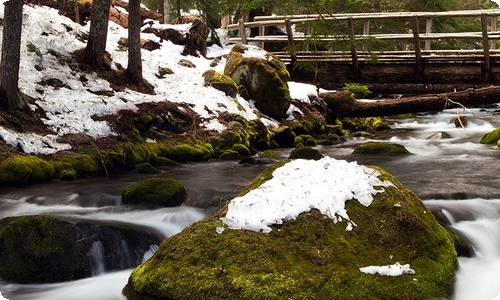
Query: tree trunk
{"x": 340, "y": 104}
{"x": 166, "y": 11}
{"x": 134, "y": 68}
{"x": 93, "y": 54}
{"x": 10, "y": 58}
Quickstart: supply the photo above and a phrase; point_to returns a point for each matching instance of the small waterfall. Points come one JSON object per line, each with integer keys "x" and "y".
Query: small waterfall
{"x": 478, "y": 222}
{"x": 96, "y": 255}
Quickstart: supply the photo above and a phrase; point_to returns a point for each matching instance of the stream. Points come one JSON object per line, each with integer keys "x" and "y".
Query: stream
{"x": 455, "y": 175}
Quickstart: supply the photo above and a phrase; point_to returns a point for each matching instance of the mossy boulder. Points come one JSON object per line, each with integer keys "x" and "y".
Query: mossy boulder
{"x": 264, "y": 78}
{"x": 36, "y": 249}
{"x": 21, "y": 169}
{"x": 221, "y": 82}
{"x": 491, "y": 137}
{"x": 46, "y": 249}
{"x": 166, "y": 192}
{"x": 381, "y": 148}
{"x": 309, "y": 257}
{"x": 305, "y": 152}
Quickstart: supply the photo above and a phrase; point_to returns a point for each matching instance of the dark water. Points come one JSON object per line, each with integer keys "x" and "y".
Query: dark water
{"x": 440, "y": 170}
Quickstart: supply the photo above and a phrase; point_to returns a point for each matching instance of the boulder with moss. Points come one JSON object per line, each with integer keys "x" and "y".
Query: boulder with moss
{"x": 308, "y": 256}
{"x": 165, "y": 192}
{"x": 35, "y": 249}
{"x": 221, "y": 82}
{"x": 264, "y": 78}
{"x": 45, "y": 249}
{"x": 305, "y": 152}
{"x": 491, "y": 137}
{"x": 381, "y": 148}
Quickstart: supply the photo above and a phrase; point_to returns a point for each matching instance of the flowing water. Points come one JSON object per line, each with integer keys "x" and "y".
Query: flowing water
{"x": 455, "y": 176}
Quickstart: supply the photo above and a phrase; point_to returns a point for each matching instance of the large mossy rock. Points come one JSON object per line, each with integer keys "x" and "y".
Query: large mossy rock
{"x": 35, "y": 249}
{"x": 45, "y": 249}
{"x": 264, "y": 78}
{"x": 309, "y": 257}
{"x": 381, "y": 148}
{"x": 166, "y": 192}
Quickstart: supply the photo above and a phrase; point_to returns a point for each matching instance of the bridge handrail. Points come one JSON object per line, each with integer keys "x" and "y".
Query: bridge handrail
{"x": 486, "y": 36}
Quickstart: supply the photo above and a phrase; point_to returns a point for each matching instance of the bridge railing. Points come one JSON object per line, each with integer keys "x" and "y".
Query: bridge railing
{"x": 358, "y": 28}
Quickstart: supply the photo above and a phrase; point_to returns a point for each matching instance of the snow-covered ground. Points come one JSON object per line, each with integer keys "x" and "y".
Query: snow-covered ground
{"x": 69, "y": 109}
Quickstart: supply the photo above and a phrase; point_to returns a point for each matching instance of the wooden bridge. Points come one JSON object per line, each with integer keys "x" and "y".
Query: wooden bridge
{"x": 355, "y": 40}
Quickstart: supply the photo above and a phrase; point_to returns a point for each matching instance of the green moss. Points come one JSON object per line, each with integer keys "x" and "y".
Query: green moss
{"x": 381, "y": 148}
{"x": 155, "y": 191}
{"x": 163, "y": 162}
{"x": 197, "y": 151}
{"x": 18, "y": 169}
{"x": 146, "y": 168}
{"x": 241, "y": 149}
{"x": 298, "y": 141}
{"x": 221, "y": 82}
{"x": 491, "y": 137}
{"x": 305, "y": 152}
{"x": 230, "y": 155}
{"x": 310, "y": 257}
{"x": 83, "y": 164}
{"x": 377, "y": 123}
{"x": 269, "y": 154}
{"x": 35, "y": 249}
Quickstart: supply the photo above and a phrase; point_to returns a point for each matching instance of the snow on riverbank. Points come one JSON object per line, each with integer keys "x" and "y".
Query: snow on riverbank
{"x": 70, "y": 107}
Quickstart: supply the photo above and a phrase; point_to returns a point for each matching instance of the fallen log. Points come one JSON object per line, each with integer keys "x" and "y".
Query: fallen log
{"x": 342, "y": 104}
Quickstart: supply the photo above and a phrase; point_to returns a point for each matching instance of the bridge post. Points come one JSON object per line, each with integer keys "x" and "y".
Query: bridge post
{"x": 428, "y": 30}
{"x": 486, "y": 47}
{"x": 354, "y": 52}
{"x": 419, "y": 70}
{"x": 243, "y": 32}
{"x": 291, "y": 42}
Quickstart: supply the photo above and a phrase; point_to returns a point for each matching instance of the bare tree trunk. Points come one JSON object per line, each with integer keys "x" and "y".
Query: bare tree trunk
{"x": 11, "y": 54}
{"x": 166, "y": 11}
{"x": 341, "y": 104}
{"x": 96, "y": 46}
{"x": 134, "y": 68}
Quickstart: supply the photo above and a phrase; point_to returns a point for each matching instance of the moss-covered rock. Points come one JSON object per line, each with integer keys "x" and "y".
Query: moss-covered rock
{"x": 491, "y": 137}
{"x": 381, "y": 148}
{"x": 305, "y": 152}
{"x": 35, "y": 249}
{"x": 19, "y": 169}
{"x": 147, "y": 168}
{"x": 230, "y": 155}
{"x": 310, "y": 257}
{"x": 155, "y": 191}
{"x": 269, "y": 154}
{"x": 221, "y": 82}
{"x": 265, "y": 80}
